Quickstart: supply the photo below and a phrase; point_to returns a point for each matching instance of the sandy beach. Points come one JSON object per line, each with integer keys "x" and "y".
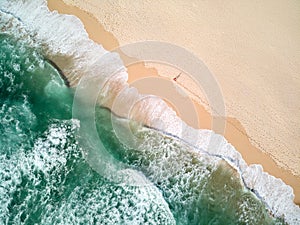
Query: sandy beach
{"x": 254, "y": 59}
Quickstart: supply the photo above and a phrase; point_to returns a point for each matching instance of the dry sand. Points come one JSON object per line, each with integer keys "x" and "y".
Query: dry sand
{"x": 256, "y": 82}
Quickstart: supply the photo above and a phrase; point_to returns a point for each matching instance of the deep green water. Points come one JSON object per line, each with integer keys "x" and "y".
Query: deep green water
{"x": 45, "y": 177}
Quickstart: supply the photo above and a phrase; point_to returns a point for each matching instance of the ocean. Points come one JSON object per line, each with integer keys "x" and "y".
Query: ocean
{"x": 66, "y": 157}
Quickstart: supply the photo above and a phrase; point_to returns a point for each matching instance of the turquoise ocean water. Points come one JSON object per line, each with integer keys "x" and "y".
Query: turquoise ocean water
{"x": 47, "y": 178}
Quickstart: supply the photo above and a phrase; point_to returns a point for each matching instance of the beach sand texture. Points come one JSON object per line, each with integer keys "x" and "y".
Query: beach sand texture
{"x": 254, "y": 58}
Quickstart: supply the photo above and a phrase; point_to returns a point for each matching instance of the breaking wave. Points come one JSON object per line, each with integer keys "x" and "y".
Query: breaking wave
{"x": 181, "y": 161}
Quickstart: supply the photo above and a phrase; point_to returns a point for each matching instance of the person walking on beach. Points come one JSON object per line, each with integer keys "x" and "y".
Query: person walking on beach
{"x": 175, "y": 78}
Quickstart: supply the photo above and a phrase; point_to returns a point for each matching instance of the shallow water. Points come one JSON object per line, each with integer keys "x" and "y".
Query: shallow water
{"x": 47, "y": 179}
{"x": 56, "y": 169}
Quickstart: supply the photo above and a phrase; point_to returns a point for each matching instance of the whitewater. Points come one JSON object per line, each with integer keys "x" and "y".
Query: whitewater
{"x": 170, "y": 174}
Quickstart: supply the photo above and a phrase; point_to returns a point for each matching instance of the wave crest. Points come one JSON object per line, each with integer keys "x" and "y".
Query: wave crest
{"x": 77, "y": 56}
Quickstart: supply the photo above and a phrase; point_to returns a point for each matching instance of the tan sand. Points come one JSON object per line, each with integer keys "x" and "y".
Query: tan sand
{"x": 234, "y": 133}
{"x": 251, "y": 47}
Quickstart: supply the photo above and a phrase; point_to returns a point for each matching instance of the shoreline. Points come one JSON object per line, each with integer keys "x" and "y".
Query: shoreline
{"x": 234, "y": 133}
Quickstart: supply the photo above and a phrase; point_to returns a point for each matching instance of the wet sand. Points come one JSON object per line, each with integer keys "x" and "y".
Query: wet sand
{"x": 234, "y": 132}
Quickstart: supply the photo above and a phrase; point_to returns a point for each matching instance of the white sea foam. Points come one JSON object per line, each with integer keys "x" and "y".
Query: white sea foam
{"x": 64, "y": 37}
{"x": 45, "y": 166}
{"x": 110, "y": 205}
{"x": 45, "y": 158}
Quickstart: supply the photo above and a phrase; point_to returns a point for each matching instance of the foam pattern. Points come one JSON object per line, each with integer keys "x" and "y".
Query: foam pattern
{"x": 65, "y": 42}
